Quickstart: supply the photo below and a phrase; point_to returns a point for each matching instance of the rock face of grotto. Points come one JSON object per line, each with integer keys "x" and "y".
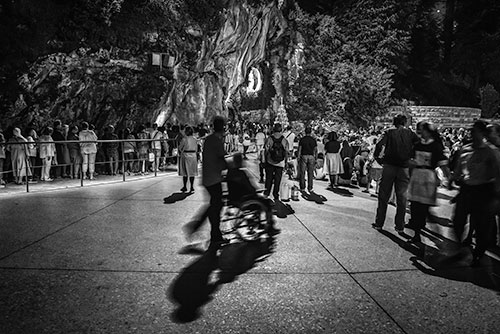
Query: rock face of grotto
{"x": 114, "y": 86}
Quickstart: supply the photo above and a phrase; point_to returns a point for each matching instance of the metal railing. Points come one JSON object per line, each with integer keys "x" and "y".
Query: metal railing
{"x": 167, "y": 145}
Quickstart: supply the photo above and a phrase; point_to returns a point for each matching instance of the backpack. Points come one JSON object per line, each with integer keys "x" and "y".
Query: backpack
{"x": 277, "y": 151}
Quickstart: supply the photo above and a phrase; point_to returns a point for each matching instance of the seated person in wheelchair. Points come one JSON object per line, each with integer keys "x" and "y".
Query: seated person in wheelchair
{"x": 240, "y": 188}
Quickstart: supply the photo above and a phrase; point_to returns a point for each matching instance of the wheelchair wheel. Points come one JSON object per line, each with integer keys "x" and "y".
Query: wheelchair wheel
{"x": 251, "y": 220}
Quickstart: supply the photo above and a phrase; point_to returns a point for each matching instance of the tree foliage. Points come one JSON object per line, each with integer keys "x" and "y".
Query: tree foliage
{"x": 490, "y": 101}
{"x": 351, "y": 57}
{"x": 126, "y": 30}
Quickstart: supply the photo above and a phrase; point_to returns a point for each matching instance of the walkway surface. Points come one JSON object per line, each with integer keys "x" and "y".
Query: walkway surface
{"x": 112, "y": 258}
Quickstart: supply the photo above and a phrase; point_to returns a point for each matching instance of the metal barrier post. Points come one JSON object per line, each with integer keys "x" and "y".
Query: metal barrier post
{"x": 123, "y": 161}
{"x": 155, "y": 164}
{"x": 81, "y": 169}
{"x": 25, "y": 145}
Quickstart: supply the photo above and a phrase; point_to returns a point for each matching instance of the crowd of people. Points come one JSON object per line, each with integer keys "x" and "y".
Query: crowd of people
{"x": 405, "y": 165}
{"x": 81, "y": 150}
{"x": 398, "y": 163}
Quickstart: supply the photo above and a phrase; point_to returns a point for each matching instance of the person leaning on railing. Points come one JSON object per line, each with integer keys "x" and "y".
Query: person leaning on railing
{"x": 157, "y": 137}
{"x": 32, "y": 150}
{"x": 129, "y": 149}
{"x": 75, "y": 155}
{"x": 142, "y": 148}
{"x": 88, "y": 149}
{"x": 111, "y": 149}
{"x": 47, "y": 153}
{"x": 17, "y": 148}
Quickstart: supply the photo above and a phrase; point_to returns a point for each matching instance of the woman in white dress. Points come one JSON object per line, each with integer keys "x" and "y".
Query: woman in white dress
{"x": 17, "y": 146}
{"x": 333, "y": 160}
{"x": 188, "y": 162}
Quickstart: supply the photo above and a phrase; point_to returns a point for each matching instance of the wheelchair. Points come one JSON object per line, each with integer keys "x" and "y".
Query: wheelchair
{"x": 247, "y": 220}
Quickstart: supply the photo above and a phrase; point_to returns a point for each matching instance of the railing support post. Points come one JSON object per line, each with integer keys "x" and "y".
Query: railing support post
{"x": 25, "y": 145}
{"x": 81, "y": 169}
{"x": 123, "y": 160}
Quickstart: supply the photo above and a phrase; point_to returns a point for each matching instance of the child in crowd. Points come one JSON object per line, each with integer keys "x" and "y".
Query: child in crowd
{"x": 360, "y": 167}
{"x": 319, "y": 169}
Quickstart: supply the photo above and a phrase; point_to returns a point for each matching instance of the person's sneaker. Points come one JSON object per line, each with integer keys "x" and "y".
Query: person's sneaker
{"x": 49, "y": 179}
{"x": 191, "y": 190}
{"x": 183, "y": 189}
{"x": 365, "y": 191}
{"x": 377, "y": 227}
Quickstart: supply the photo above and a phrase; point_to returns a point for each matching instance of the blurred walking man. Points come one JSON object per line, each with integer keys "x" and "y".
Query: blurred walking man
{"x": 213, "y": 165}
{"x": 478, "y": 174}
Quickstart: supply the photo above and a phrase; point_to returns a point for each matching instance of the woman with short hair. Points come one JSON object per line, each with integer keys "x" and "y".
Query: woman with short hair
{"x": 188, "y": 162}
{"x": 17, "y": 146}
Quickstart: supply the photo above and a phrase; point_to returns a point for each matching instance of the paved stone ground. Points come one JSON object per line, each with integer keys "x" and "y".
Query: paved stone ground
{"x": 111, "y": 258}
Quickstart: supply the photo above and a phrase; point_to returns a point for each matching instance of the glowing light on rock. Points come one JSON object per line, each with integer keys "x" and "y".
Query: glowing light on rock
{"x": 254, "y": 81}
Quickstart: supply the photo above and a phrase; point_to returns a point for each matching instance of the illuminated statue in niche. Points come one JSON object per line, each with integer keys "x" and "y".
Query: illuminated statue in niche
{"x": 254, "y": 81}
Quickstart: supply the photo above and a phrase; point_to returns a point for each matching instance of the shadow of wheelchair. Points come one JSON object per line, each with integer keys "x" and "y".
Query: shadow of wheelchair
{"x": 176, "y": 197}
{"x": 195, "y": 285}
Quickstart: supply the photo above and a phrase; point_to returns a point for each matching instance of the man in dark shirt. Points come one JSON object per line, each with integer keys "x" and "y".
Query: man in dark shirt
{"x": 478, "y": 174}
{"x": 58, "y": 136}
{"x": 213, "y": 165}
{"x": 398, "y": 144}
{"x": 307, "y": 160}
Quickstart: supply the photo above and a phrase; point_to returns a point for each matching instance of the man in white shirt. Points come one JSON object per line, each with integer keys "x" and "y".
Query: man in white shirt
{"x": 260, "y": 139}
{"x": 290, "y": 138}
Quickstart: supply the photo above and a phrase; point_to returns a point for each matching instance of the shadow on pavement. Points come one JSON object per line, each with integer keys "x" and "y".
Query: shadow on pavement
{"x": 313, "y": 197}
{"x": 176, "y": 197}
{"x": 282, "y": 210}
{"x": 196, "y": 284}
{"x": 341, "y": 192}
{"x": 192, "y": 249}
{"x": 449, "y": 260}
{"x": 446, "y": 222}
